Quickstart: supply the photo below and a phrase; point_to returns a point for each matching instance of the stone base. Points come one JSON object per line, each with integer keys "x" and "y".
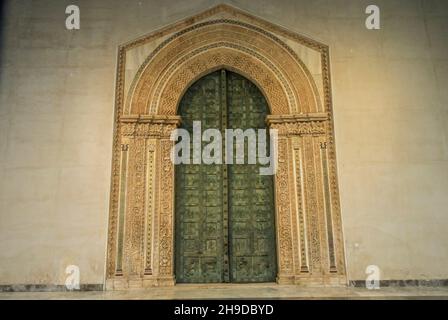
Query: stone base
{"x": 146, "y": 282}
{"x": 285, "y": 279}
{"x": 119, "y": 283}
{"x": 320, "y": 281}
{"x": 312, "y": 281}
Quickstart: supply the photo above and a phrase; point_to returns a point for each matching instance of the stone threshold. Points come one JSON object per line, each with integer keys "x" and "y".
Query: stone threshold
{"x": 241, "y": 292}
{"x": 100, "y": 287}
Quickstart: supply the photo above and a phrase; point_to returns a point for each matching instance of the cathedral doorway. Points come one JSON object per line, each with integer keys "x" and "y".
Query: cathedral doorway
{"x": 224, "y": 213}
{"x": 196, "y": 223}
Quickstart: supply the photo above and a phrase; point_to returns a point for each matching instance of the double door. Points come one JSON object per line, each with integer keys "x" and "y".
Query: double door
{"x": 224, "y": 212}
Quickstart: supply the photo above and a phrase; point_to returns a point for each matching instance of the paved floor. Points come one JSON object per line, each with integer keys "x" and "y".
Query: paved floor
{"x": 258, "y": 291}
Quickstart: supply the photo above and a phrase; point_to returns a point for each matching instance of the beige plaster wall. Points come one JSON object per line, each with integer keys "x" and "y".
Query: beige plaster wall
{"x": 56, "y": 122}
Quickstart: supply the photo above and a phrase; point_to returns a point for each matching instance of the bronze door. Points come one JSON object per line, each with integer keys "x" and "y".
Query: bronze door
{"x": 224, "y": 213}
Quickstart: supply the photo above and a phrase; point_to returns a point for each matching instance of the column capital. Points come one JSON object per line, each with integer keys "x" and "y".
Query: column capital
{"x": 299, "y": 124}
{"x": 146, "y": 126}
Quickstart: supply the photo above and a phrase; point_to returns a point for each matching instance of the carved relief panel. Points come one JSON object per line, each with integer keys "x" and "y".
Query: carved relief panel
{"x": 317, "y": 250}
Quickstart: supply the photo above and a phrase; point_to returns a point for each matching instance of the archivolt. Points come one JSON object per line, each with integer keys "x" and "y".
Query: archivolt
{"x": 193, "y": 52}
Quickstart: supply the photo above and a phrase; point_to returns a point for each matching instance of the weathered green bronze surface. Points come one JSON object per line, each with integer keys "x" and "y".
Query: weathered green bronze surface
{"x": 224, "y": 213}
{"x": 251, "y": 203}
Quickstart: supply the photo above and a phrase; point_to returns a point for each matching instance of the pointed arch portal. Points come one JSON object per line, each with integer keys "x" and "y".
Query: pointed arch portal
{"x": 149, "y": 232}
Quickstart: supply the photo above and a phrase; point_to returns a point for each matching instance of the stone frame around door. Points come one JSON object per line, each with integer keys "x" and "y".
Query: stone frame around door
{"x": 140, "y": 250}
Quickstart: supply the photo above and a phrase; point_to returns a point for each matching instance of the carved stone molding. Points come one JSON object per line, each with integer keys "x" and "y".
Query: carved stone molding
{"x": 149, "y": 126}
{"x": 310, "y": 245}
{"x": 300, "y": 128}
{"x": 299, "y": 124}
{"x": 297, "y": 117}
{"x": 249, "y": 50}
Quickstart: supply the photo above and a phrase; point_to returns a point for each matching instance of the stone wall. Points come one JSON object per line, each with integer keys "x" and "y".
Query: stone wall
{"x": 56, "y": 121}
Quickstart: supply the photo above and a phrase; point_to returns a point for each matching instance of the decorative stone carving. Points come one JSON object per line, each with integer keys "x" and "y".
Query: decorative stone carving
{"x": 309, "y": 232}
{"x": 304, "y": 128}
{"x": 258, "y": 53}
{"x": 150, "y": 203}
{"x": 284, "y": 227}
{"x": 166, "y": 226}
{"x": 153, "y": 126}
{"x": 133, "y": 250}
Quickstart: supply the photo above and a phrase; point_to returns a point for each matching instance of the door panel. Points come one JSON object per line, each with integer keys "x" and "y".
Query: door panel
{"x": 224, "y": 213}
{"x": 251, "y": 211}
{"x": 198, "y": 194}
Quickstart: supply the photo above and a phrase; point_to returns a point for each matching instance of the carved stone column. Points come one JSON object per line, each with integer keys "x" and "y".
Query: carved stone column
{"x": 283, "y": 214}
{"x": 144, "y": 246}
{"x": 304, "y": 206}
{"x": 164, "y": 226}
